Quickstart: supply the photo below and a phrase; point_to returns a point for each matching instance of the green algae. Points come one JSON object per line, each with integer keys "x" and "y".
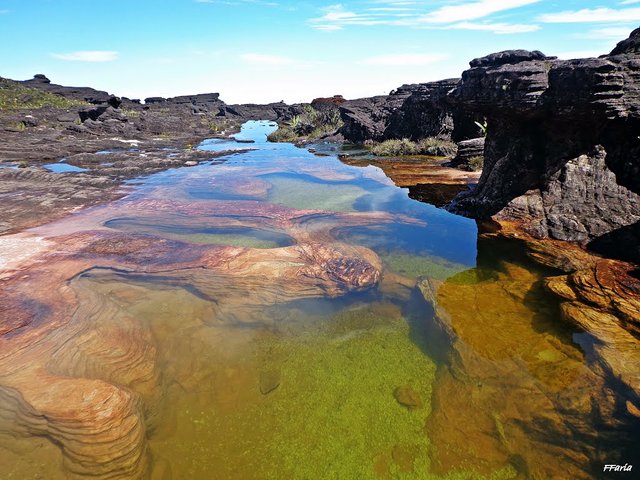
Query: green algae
{"x": 304, "y": 195}
{"x": 330, "y": 413}
{"x": 415, "y": 266}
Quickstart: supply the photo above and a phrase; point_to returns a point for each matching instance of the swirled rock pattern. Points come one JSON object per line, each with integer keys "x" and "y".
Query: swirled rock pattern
{"x": 79, "y": 370}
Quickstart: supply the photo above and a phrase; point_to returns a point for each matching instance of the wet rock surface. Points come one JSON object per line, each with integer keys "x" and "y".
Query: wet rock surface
{"x": 34, "y": 195}
{"x": 503, "y": 330}
{"x": 111, "y": 139}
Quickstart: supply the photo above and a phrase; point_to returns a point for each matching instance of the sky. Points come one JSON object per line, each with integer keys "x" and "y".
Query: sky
{"x": 271, "y": 50}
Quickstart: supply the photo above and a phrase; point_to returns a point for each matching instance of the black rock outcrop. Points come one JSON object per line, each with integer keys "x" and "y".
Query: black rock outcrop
{"x": 278, "y": 111}
{"x": 412, "y": 111}
{"x": 562, "y": 150}
{"x": 83, "y": 94}
{"x": 367, "y": 119}
{"x": 470, "y": 154}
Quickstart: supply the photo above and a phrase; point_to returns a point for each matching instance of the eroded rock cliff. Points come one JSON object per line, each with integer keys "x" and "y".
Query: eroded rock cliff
{"x": 562, "y": 148}
{"x": 412, "y": 111}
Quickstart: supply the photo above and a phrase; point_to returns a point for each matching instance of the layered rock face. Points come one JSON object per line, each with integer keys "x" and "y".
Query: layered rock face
{"x": 427, "y": 113}
{"x": 367, "y": 118}
{"x": 110, "y": 114}
{"x": 83, "y": 94}
{"x": 468, "y": 153}
{"x": 412, "y": 111}
{"x": 211, "y": 103}
{"x": 279, "y": 111}
{"x": 562, "y": 148}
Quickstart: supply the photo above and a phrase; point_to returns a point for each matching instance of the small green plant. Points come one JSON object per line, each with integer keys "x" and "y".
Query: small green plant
{"x": 431, "y": 146}
{"x": 295, "y": 121}
{"x": 131, "y": 113}
{"x": 310, "y": 124}
{"x": 483, "y": 127}
{"x": 475, "y": 163}
{"x": 23, "y": 164}
{"x": 284, "y": 133}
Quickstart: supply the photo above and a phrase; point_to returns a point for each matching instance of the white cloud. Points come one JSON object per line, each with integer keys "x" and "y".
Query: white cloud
{"x": 417, "y": 15}
{"x": 473, "y": 10}
{"x": 593, "y": 15}
{"x": 88, "y": 56}
{"x": 404, "y": 59}
{"x": 328, "y": 28}
{"x": 498, "y": 28}
{"x": 257, "y": 58}
{"x": 606, "y": 33}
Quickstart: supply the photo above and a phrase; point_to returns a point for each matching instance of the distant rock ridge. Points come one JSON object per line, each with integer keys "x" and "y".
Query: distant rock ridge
{"x": 84, "y": 94}
{"x": 411, "y": 111}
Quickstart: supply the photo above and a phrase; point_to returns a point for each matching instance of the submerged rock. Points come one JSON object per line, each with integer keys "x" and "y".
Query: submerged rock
{"x": 269, "y": 381}
{"x": 407, "y": 397}
{"x": 515, "y": 388}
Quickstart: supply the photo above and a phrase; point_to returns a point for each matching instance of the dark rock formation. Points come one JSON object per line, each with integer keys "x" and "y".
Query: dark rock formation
{"x": 412, "y": 111}
{"x": 83, "y": 94}
{"x": 201, "y": 99}
{"x": 630, "y": 45}
{"x": 468, "y": 153}
{"x": 508, "y": 57}
{"x": 562, "y": 148}
{"x": 327, "y": 102}
{"x": 427, "y": 113}
{"x": 278, "y": 111}
{"x": 367, "y": 118}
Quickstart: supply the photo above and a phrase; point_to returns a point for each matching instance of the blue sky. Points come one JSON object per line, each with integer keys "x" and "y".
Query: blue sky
{"x": 270, "y": 50}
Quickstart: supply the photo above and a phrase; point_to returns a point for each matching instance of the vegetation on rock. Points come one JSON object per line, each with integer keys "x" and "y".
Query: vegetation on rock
{"x": 433, "y": 146}
{"x": 311, "y": 124}
{"x": 14, "y": 96}
{"x": 475, "y": 163}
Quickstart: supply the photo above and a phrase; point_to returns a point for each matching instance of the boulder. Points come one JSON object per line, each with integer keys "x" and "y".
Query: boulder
{"x": 468, "y": 152}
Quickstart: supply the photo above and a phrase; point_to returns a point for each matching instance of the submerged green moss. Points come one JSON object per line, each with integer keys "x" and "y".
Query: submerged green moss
{"x": 421, "y": 266}
{"x": 328, "y": 411}
{"x": 304, "y": 195}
